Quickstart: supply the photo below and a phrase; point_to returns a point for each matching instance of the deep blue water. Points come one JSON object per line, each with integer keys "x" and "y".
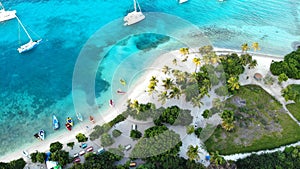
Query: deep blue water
{"x": 36, "y": 84}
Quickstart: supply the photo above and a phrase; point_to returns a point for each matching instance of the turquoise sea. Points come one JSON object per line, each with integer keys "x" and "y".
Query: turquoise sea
{"x": 36, "y": 84}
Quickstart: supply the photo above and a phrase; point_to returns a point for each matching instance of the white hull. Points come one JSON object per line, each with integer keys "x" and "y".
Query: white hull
{"x": 133, "y": 17}
{"x": 182, "y": 1}
{"x": 7, "y": 15}
{"x": 28, "y": 46}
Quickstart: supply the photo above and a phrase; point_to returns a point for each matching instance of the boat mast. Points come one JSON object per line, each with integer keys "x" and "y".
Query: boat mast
{"x": 2, "y": 6}
{"x": 134, "y": 5}
{"x": 24, "y": 28}
{"x": 138, "y": 6}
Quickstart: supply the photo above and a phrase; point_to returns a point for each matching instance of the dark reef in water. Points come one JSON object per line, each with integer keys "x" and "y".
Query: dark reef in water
{"x": 150, "y": 41}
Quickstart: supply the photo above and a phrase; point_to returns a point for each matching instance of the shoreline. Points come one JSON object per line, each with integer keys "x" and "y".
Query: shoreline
{"x": 136, "y": 91}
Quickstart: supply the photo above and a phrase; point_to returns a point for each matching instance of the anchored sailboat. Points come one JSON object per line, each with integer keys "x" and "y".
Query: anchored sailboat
{"x": 135, "y": 16}
{"x": 6, "y": 15}
{"x": 31, "y": 44}
{"x": 182, "y": 1}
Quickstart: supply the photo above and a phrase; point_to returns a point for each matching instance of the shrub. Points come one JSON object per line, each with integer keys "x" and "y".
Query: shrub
{"x": 56, "y": 146}
{"x": 106, "y": 140}
{"x": 116, "y": 133}
{"x": 81, "y": 137}
{"x": 71, "y": 145}
{"x": 221, "y": 91}
{"x": 40, "y": 157}
{"x": 135, "y": 134}
{"x": 206, "y": 114}
{"x": 190, "y": 129}
{"x": 198, "y": 131}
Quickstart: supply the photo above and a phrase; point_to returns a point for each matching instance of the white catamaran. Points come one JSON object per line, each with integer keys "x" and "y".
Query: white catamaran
{"x": 31, "y": 44}
{"x": 134, "y": 16}
{"x": 6, "y": 15}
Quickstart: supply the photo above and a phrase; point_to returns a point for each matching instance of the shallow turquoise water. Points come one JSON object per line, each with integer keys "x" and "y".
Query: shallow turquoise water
{"x": 36, "y": 84}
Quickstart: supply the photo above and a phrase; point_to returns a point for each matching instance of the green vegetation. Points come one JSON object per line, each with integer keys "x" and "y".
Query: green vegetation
{"x": 174, "y": 116}
{"x": 81, "y": 137}
{"x": 198, "y": 131}
{"x": 140, "y": 111}
{"x": 207, "y": 114}
{"x": 193, "y": 153}
{"x": 288, "y": 159}
{"x": 154, "y": 131}
{"x": 40, "y": 157}
{"x": 135, "y": 134}
{"x": 292, "y": 92}
{"x": 104, "y": 161}
{"x": 56, "y": 146}
{"x": 116, "y": 133}
{"x": 282, "y": 77}
{"x": 71, "y": 145}
{"x": 106, "y": 140}
{"x": 227, "y": 120}
{"x": 61, "y": 156}
{"x": 15, "y": 164}
{"x": 294, "y": 109}
{"x": 99, "y": 130}
{"x": 260, "y": 123}
{"x": 289, "y": 66}
{"x": 190, "y": 129}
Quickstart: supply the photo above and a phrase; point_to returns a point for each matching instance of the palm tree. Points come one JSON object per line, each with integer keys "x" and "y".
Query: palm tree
{"x": 255, "y": 46}
{"x": 167, "y": 83}
{"x": 196, "y": 101}
{"x": 193, "y": 77}
{"x": 180, "y": 76}
{"x": 227, "y": 125}
{"x": 217, "y": 159}
{"x": 206, "y": 58}
{"x": 166, "y": 69}
{"x": 253, "y": 64}
{"x": 193, "y": 153}
{"x": 245, "y": 47}
{"x": 135, "y": 105}
{"x": 214, "y": 58}
{"x": 246, "y": 59}
{"x": 205, "y": 49}
{"x": 217, "y": 103}
{"x": 184, "y": 51}
{"x": 162, "y": 97}
{"x": 174, "y": 61}
{"x": 153, "y": 79}
{"x": 197, "y": 62}
{"x": 233, "y": 83}
{"x": 175, "y": 93}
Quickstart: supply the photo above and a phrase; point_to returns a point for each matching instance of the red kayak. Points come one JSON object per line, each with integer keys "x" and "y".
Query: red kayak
{"x": 111, "y": 103}
{"x": 69, "y": 126}
{"x": 92, "y": 119}
{"x": 120, "y": 92}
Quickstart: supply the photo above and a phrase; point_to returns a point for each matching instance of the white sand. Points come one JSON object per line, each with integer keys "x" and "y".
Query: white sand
{"x": 137, "y": 91}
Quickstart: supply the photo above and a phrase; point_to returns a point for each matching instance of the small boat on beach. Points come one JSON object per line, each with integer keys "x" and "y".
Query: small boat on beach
{"x": 68, "y": 126}
{"x": 123, "y": 82}
{"x": 111, "y": 103}
{"x": 40, "y": 135}
{"x": 134, "y": 16}
{"x": 6, "y": 15}
{"x": 70, "y": 121}
{"x": 55, "y": 123}
{"x": 79, "y": 116}
{"x": 25, "y": 153}
{"x": 92, "y": 119}
{"x": 121, "y": 92}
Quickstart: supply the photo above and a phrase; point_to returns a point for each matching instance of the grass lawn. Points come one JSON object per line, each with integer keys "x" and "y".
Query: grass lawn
{"x": 294, "y": 108}
{"x": 260, "y": 123}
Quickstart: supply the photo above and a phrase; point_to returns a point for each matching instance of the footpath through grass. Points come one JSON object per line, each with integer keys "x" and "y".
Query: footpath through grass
{"x": 260, "y": 123}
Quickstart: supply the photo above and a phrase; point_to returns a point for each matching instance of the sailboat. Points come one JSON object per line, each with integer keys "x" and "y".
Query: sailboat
{"x": 31, "y": 44}
{"x": 55, "y": 123}
{"x": 182, "y": 1}
{"x": 6, "y": 15}
{"x": 79, "y": 116}
{"x": 134, "y": 16}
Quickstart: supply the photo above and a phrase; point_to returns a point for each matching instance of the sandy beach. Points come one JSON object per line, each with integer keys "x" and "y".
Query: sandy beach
{"x": 137, "y": 91}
